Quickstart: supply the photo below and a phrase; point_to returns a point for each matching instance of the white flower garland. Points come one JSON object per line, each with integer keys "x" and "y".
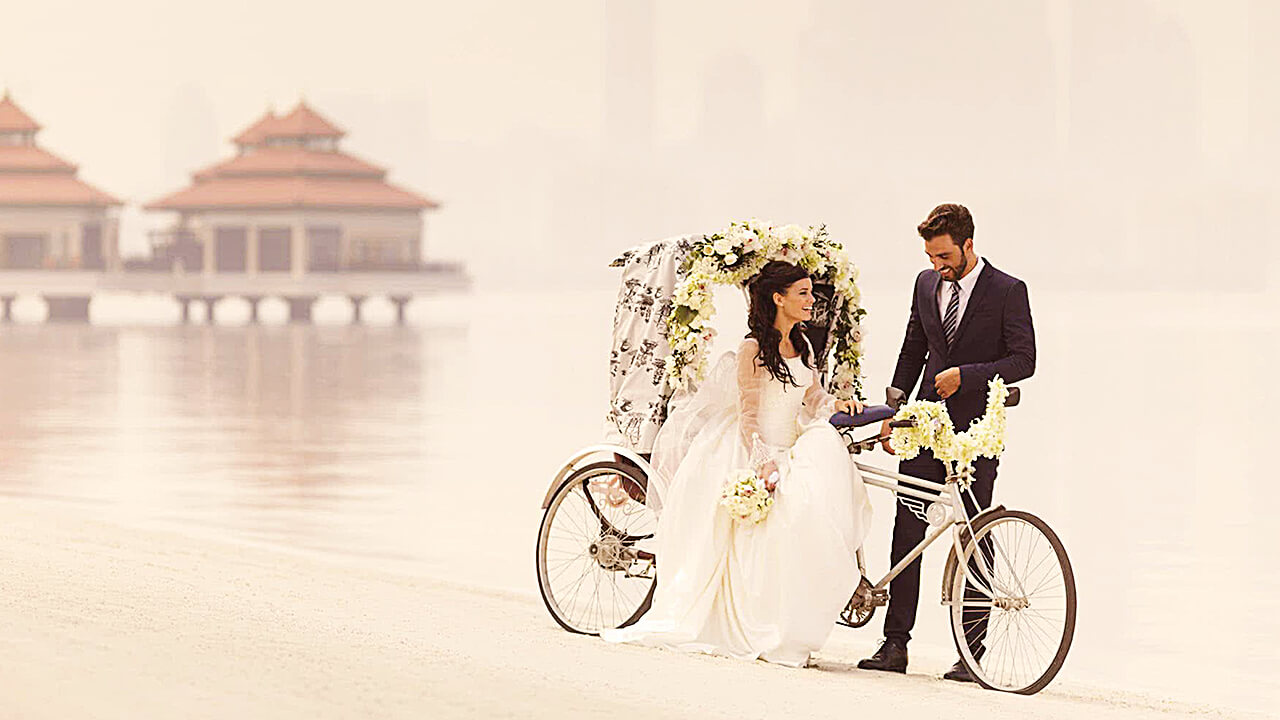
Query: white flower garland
{"x": 736, "y": 254}
{"x": 933, "y": 429}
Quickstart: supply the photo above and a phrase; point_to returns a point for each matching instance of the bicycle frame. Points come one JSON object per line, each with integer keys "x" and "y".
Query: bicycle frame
{"x": 947, "y": 495}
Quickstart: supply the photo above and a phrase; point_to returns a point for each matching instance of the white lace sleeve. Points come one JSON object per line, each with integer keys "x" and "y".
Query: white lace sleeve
{"x": 819, "y": 402}
{"x": 751, "y": 382}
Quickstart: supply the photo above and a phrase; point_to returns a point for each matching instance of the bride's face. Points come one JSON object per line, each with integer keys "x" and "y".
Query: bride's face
{"x": 796, "y": 304}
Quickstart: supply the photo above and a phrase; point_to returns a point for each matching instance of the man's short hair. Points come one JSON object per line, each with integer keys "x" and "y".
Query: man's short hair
{"x": 948, "y": 219}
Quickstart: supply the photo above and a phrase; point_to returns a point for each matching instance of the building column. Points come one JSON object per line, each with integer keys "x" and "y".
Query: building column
{"x": 111, "y": 242}
{"x": 419, "y": 242}
{"x": 209, "y": 302}
{"x": 206, "y": 243}
{"x": 400, "y": 301}
{"x": 75, "y": 242}
{"x": 184, "y": 302}
{"x": 356, "y": 302}
{"x": 253, "y": 301}
{"x": 68, "y": 308}
{"x": 251, "y": 250}
{"x": 300, "y": 307}
{"x": 298, "y": 249}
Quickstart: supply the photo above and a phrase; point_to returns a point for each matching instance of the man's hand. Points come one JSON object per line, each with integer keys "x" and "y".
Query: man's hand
{"x": 947, "y": 382}
{"x": 884, "y": 433}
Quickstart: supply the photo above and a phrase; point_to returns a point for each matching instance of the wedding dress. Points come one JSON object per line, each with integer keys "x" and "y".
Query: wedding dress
{"x": 771, "y": 590}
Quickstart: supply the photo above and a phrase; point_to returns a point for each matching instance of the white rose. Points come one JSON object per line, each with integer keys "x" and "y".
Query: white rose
{"x": 730, "y": 259}
{"x": 789, "y": 234}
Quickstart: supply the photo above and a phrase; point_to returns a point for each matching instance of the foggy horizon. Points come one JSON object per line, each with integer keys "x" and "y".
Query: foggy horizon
{"x": 1125, "y": 135}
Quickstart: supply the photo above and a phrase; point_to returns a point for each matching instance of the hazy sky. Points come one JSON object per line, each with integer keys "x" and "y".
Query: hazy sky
{"x": 555, "y": 132}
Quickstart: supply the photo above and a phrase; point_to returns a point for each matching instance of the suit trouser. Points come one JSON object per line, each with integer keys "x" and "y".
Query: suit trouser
{"x": 909, "y": 530}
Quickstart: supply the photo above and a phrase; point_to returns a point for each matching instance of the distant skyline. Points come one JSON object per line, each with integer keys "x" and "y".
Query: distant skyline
{"x": 525, "y": 121}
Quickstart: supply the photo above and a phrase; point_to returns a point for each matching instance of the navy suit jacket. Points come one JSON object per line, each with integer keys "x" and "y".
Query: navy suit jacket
{"x": 995, "y": 337}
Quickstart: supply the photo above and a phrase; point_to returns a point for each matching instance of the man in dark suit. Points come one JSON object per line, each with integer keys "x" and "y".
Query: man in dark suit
{"x": 969, "y": 322}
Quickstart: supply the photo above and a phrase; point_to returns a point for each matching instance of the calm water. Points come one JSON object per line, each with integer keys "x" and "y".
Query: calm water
{"x": 427, "y": 449}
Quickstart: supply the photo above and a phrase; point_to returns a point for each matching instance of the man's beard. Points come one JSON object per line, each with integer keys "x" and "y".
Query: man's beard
{"x": 958, "y": 270}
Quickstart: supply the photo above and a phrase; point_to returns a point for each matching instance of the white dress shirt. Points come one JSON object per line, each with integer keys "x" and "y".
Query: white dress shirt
{"x": 966, "y": 291}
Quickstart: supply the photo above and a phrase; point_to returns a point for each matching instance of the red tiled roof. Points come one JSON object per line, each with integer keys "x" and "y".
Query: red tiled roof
{"x": 306, "y": 191}
{"x": 276, "y": 177}
{"x": 257, "y": 132}
{"x": 62, "y": 189}
{"x": 302, "y": 121}
{"x": 29, "y": 158}
{"x": 12, "y": 117}
{"x": 291, "y": 161}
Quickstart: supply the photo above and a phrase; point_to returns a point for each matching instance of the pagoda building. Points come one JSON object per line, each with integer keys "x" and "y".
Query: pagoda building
{"x": 291, "y": 201}
{"x": 49, "y": 217}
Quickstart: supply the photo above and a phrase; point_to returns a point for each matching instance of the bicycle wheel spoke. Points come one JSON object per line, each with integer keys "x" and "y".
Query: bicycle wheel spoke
{"x": 568, "y": 564}
{"x": 1053, "y": 573}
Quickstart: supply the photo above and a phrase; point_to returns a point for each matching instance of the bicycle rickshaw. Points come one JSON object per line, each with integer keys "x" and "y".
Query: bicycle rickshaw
{"x": 1007, "y": 582}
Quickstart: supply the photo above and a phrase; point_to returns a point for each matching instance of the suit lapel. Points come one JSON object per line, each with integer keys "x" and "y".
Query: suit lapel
{"x": 980, "y": 290}
{"x": 929, "y": 313}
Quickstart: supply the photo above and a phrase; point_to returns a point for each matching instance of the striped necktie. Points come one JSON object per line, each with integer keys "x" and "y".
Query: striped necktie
{"x": 952, "y": 319}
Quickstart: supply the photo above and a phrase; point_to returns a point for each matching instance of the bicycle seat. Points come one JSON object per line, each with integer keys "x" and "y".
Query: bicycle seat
{"x": 870, "y": 414}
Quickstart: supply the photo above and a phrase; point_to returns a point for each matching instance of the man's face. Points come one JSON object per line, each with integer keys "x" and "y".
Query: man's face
{"x": 948, "y": 258}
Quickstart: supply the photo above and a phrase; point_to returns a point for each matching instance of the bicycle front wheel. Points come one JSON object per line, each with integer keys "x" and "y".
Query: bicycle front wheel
{"x": 1013, "y": 602}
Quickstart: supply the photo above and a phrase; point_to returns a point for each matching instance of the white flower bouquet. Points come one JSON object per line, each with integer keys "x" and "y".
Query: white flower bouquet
{"x": 745, "y": 497}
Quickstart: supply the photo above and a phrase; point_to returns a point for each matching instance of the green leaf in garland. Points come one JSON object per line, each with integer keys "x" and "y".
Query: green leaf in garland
{"x": 683, "y": 314}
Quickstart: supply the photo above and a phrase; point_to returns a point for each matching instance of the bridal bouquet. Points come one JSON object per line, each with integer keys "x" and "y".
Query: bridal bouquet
{"x": 746, "y": 497}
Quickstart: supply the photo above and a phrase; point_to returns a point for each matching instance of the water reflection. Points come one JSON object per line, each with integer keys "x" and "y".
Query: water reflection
{"x": 297, "y": 434}
{"x": 427, "y": 450}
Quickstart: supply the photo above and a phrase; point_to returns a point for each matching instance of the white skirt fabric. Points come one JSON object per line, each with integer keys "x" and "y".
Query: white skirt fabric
{"x": 772, "y": 590}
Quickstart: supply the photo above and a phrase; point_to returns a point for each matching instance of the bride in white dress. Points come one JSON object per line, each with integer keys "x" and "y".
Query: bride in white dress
{"x": 771, "y": 590}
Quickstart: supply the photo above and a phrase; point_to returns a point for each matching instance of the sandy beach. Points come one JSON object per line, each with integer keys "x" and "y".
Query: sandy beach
{"x": 105, "y": 619}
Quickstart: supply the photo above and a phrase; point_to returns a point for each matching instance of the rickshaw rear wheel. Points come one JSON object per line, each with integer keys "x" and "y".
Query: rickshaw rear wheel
{"x": 595, "y": 568}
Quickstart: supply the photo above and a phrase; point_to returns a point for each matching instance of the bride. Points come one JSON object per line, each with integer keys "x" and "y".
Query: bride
{"x": 770, "y": 591}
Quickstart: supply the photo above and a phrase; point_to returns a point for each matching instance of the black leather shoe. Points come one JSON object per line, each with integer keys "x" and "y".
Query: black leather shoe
{"x": 959, "y": 673}
{"x": 891, "y": 657}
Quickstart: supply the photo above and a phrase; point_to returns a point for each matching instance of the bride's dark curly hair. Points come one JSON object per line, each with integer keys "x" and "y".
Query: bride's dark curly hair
{"x": 775, "y": 277}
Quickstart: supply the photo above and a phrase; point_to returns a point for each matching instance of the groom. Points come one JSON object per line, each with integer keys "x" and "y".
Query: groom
{"x": 969, "y": 322}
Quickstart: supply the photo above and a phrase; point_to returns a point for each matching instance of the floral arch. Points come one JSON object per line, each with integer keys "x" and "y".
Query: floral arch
{"x": 733, "y": 256}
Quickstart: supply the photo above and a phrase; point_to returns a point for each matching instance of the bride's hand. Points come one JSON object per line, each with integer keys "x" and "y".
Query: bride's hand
{"x": 769, "y": 472}
{"x": 853, "y": 407}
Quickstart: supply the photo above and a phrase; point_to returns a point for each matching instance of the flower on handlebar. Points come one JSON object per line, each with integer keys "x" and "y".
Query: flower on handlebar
{"x": 933, "y": 429}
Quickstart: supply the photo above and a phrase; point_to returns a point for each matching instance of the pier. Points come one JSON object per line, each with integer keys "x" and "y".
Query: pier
{"x": 69, "y": 292}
